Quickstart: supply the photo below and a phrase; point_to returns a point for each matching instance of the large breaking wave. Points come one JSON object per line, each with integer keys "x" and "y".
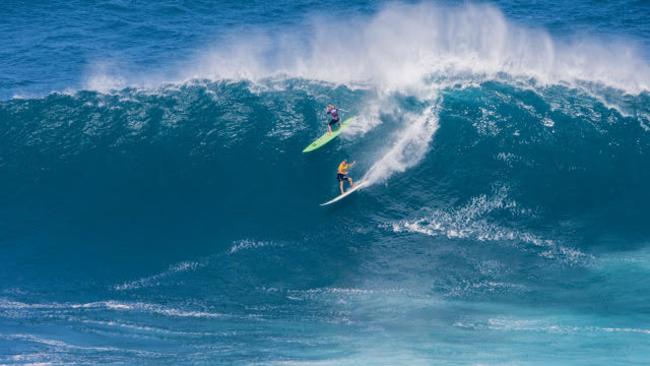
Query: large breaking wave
{"x": 412, "y": 50}
{"x": 176, "y": 207}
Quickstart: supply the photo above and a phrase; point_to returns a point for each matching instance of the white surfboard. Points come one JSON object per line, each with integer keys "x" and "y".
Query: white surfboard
{"x": 348, "y": 192}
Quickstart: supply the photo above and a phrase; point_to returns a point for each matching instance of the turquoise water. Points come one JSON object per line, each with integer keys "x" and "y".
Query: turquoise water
{"x": 156, "y": 207}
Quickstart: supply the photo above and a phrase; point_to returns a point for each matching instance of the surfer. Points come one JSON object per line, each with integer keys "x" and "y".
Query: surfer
{"x": 342, "y": 175}
{"x": 333, "y": 112}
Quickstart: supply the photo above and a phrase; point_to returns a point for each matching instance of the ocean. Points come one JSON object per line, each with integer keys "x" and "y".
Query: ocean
{"x": 156, "y": 207}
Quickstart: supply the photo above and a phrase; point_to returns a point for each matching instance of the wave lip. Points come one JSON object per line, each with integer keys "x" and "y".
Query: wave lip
{"x": 401, "y": 47}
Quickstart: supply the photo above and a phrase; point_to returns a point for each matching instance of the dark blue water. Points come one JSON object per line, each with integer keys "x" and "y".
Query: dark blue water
{"x": 156, "y": 207}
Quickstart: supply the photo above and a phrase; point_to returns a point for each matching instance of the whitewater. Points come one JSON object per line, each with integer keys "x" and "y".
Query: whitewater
{"x": 156, "y": 206}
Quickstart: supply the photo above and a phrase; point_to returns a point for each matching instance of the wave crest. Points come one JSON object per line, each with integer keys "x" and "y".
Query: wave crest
{"x": 403, "y": 46}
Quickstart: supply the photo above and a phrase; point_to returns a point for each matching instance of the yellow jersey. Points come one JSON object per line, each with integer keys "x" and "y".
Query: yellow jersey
{"x": 343, "y": 168}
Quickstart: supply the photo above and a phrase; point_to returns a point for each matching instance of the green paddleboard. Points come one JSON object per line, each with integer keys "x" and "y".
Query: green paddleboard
{"x": 327, "y": 137}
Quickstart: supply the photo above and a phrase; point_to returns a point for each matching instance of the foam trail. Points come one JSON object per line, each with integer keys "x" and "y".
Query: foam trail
{"x": 409, "y": 148}
{"x": 248, "y": 244}
{"x": 155, "y": 279}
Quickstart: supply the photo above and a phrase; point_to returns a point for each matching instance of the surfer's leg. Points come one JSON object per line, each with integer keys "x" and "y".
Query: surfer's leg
{"x": 330, "y": 125}
{"x": 341, "y": 187}
{"x": 351, "y": 182}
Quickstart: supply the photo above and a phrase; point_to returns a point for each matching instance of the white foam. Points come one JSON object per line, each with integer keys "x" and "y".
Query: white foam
{"x": 112, "y": 305}
{"x": 147, "y": 308}
{"x": 154, "y": 280}
{"x": 104, "y": 77}
{"x": 471, "y": 221}
{"x": 246, "y": 244}
{"x": 402, "y": 45}
{"x": 149, "y": 329}
{"x": 539, "y": 325}
{"x": 409, "y": 147}
{"x": 55, "y": 343}
{"x": 467, "y": 287}
{"x": 58, "y": 346}
{"x": 17, "y": 305}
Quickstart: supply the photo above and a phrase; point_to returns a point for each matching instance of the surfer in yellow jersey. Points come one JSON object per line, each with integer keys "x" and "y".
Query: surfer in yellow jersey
{"x": 342, "y": 175}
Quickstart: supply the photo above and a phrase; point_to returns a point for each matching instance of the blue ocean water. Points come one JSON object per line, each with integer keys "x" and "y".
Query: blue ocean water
{"x": 156, "y": 208}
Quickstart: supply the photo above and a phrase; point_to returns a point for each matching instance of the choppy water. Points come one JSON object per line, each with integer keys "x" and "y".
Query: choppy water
{"x": 156, "y": 208}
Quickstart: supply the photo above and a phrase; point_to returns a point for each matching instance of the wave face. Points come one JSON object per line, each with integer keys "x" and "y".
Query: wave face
{"x": 168, "y": 216}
